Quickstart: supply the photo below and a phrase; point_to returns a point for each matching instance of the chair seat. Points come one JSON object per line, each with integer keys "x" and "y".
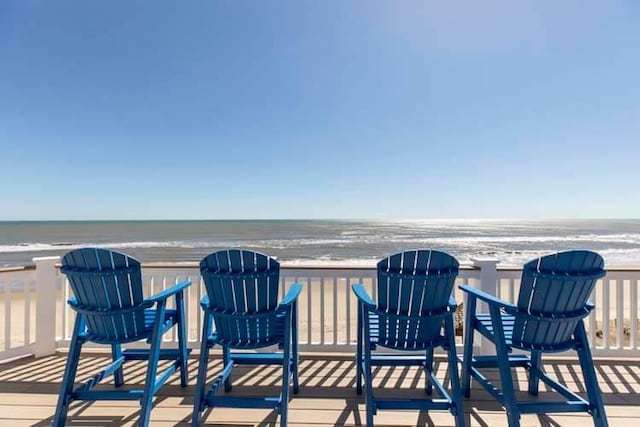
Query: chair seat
{"x": 149, "y": 317}
{"x": 484, "y": 325}
{"x": 170, "y": 317}
{"x": 409, "y": 345}
{"x": 276, "y": 338}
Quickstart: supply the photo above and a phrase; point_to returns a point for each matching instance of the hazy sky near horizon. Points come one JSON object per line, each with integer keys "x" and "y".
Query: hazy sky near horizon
{"x": 319, "y": 109}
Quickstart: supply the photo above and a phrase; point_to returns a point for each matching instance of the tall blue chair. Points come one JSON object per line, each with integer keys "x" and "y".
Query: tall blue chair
{"x": 548, "y": 318}
{"x": 242, "y": 304}
{"x": 414, "y": 307}
{"x": 111, "y": 309}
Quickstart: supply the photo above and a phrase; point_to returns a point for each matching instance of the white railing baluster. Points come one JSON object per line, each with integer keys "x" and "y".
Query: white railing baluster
{"x": 322, "y": 324}
{"x": 513, "y": 291}
{"x": 374, "y": 288}
{"x": 619, "y": 313}
{"x": 309, "y": 311}
{"x": 187, "y": 306}
{"x": 151, "y": 284}
{"x": 605, "y": 312}
{"x": 335, "y": 311}
{"x": 200, "y": 314}
{"x": 27, "y": 313}
{"x": 348, "y": 314}
{"x": 633, "y": 314}
{"x": 7, "y": 315}
{"x": 71, "y": 315}
{"x": 592, "y": 323}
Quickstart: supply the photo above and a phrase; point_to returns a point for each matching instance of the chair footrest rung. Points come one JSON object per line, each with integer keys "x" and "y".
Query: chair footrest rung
{"x": 164, "y": 376}
{"x": 397, "y": 360}
{"x": 551, "y": 407}
{"x": 492, "y": 361}
{"x": 242, "y": 402}
{"x": 143, "y": 354}
{"x": 438, "y": 404}
{"x": 257, "y": 358}
{"x": 108, "y": 395}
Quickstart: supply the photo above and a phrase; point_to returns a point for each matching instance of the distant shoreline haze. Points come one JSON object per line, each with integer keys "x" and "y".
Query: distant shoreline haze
{"x": 321, "y": 242}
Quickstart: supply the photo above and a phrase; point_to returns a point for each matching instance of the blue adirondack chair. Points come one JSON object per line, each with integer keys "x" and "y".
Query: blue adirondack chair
{"x": 111, "y": 309}
{"x": 548, "y": 318}
{"x": 242, "y": 304}
{"x": 414, "y": 306}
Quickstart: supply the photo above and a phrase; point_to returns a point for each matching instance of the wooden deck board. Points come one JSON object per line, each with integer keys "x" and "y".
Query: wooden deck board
{"x": 29, "y": 387}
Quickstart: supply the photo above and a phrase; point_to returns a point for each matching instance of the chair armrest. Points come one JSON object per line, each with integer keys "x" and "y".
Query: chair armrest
{"x": 453, "y": 305}
{"x": 362, "y": 295}
{"x": 160, "y": 296}
{"x": 483, "y": 296}
{"x": 292, "y": 295}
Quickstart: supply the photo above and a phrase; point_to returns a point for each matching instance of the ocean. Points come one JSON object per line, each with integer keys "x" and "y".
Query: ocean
{"x": 324, "y": 242}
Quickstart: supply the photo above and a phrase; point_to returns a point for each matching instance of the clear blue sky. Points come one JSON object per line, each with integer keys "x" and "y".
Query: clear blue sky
{"x": 319, "y": 109}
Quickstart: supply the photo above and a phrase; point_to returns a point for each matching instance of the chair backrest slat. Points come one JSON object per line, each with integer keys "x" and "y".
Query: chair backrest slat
{"x": 265, "y": 295}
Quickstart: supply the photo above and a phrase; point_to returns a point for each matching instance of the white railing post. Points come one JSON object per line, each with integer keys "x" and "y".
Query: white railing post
{"x": 45, "y": 305}
{"x": 488, "y": 284}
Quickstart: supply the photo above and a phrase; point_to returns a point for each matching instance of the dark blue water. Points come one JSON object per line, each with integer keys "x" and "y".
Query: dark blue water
{"x": 324, "y": 242}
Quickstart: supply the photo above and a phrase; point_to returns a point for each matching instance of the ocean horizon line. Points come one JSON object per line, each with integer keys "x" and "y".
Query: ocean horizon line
{"x": 345, "y": 219}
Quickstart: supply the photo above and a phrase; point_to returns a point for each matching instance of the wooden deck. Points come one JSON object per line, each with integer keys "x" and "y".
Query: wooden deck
{"x": 29, "y": 387}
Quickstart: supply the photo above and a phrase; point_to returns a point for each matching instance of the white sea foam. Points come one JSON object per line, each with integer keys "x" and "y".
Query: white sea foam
{"x": 37, "y": 247}
{"x": 329, "y": 262}
{"x": 41, "y": 247}
{"x": 611, "y": 238}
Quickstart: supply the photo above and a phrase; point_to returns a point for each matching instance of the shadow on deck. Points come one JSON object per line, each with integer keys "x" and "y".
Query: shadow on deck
{"x": 29, "y": 387}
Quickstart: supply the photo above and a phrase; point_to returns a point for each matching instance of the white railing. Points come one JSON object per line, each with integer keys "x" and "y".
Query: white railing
{"x": 17, "y": 311}
{"x": 35, "y": 304}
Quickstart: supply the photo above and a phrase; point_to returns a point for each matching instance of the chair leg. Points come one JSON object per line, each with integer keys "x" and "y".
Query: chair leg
{"x": 182, "y": 340}
{"x": 201, "y": 384}
{"x": 368, "y": 381}
{"x": 287, "y": 365}
{"x": 534, "y": 381}
{"x": 506, "y": 379}
{"x": 467, "y": 356}
{"x": 294, "y": 343}
{"x": 226, "y": 359}
{"x": 152, "y": 367}
{"x": 428, "y": 368}
{"x": 286, "y": 383}
{"x": 64, "y": 398}
{"x": 590, "y": 378}
{"x": 118, "y": 375}
{"x": 359, "y": 344}
{"x": 456, "y": 393}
